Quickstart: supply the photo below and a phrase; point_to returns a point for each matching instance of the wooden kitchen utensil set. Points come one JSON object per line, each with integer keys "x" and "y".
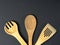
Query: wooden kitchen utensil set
{"x": 11, "y": 28}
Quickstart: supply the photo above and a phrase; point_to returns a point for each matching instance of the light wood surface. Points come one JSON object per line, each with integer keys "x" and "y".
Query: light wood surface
{"x": 45, "y": 34}
{"x": 13, "y": 31}
{"x": 30, "y": 24}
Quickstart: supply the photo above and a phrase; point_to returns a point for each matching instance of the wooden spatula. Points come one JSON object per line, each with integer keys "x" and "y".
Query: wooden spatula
{"x": 46, "y": 34}
{"x": 30, "y": 24}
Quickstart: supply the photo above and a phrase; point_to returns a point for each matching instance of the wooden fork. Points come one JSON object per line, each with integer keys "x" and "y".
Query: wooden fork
{"x": 11, "y": 28}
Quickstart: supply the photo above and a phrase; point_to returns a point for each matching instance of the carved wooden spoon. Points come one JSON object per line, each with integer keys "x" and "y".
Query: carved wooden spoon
{"x": 30, "y": 24}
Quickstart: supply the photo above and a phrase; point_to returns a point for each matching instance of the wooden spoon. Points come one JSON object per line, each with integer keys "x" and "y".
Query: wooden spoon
{"x": 47, "y": 32}
{"x": 30, "y": 24}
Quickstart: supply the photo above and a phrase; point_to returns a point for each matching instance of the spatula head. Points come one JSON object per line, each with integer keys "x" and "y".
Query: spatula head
{"x": 46, "y": 34}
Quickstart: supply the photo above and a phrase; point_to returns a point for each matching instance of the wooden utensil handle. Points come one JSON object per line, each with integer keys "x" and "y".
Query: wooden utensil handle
{"x": 30, "y": 41}
{"x": 37, "y": 44}
{"x": 20, "y": 39}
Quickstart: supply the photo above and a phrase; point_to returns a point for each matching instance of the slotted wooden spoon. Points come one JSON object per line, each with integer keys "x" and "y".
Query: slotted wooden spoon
{"x": 46, "y": 34}
{"x": 30, "y": 24}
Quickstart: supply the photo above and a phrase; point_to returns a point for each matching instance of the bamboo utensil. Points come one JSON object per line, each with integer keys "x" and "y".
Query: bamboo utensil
{"x": 46, "y": 34}
{"x": 11, "y": 28}
{"x": 30, "y": 25}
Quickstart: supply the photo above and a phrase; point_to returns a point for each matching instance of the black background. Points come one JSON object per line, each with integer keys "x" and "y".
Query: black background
{"x": 46, "y": 11}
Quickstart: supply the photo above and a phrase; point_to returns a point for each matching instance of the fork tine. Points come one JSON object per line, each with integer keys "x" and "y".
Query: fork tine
{"x": 5, "y": 28}
{"x": 7, "y": 25}
{"x": 11, "y": 23}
